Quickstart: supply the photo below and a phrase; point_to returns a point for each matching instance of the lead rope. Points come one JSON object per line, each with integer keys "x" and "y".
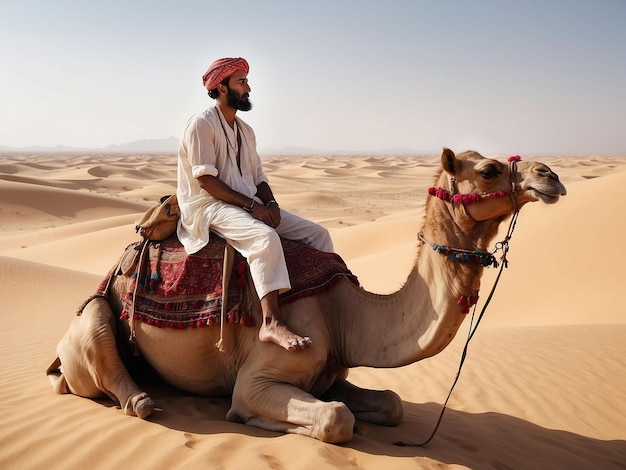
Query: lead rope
{"x": 500, "y": 246}
{"x": 229, "y": 255}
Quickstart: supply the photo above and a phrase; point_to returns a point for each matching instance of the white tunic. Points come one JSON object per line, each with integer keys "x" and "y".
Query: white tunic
{"x": 205, "y": 150}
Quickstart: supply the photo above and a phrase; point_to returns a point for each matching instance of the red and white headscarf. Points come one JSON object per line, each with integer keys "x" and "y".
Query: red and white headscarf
{"x": 222, "y": 68}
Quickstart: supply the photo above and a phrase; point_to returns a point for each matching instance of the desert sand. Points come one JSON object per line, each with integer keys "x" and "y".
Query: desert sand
{"x": 544, "y": 384}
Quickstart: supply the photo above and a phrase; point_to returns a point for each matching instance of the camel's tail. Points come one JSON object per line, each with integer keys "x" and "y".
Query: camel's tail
{"x": 59, "y": 384}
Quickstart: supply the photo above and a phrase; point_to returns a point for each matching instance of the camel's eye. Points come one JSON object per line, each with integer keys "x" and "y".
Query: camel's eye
{"x": 489, "y": 172}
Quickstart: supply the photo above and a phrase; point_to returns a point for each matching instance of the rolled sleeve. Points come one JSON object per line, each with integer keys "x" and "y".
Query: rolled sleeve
{"x": 201, "y": 152}
{"x": 203, "y": 170}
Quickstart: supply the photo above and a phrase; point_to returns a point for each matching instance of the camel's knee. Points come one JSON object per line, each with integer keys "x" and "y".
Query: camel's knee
{"x": 336, "y": 424}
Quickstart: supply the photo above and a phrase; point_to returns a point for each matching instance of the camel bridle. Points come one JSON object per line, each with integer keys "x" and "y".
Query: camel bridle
{"x": 453, "y": 195}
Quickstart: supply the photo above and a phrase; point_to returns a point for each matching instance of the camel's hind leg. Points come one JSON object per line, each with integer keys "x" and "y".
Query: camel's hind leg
{"x": 90, "y": 364}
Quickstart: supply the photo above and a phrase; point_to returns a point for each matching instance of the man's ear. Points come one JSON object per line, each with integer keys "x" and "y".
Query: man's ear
{"x": 222, "y": 89}
{"x": 449, "y": 162}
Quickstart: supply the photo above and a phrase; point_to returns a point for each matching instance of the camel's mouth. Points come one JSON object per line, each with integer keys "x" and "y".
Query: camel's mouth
{"x": 547, "y": 198}
{"x": 544, "y": 185}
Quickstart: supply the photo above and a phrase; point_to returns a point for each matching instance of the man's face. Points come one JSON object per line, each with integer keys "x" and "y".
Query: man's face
{"x": 238, "y": 92}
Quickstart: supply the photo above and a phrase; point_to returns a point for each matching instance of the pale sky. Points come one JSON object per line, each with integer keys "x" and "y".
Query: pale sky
{"x": 496, "y": 76}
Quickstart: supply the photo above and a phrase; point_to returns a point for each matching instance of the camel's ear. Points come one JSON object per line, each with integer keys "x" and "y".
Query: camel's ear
{"x": 449, "y": 162}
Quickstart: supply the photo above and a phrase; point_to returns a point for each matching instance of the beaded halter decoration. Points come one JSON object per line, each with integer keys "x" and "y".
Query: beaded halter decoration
{"x": 484, "y": 258}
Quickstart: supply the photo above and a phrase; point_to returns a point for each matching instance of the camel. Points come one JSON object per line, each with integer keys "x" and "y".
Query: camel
{"x": 306, "y": 392}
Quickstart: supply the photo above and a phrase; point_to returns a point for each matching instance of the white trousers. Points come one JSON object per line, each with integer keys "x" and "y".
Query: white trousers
{"x": 260, "y": 243}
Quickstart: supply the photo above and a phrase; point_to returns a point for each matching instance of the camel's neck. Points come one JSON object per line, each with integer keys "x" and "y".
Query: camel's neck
{"x": 423, "y": 317}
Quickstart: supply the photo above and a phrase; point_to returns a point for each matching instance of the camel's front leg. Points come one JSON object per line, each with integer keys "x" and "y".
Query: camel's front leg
{"x": 374, "y": 406}
{"x": 278, "y": 406}
{"x": 90, "y": 362}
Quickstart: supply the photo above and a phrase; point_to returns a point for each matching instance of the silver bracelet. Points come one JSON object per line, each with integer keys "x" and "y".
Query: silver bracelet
{"x": 269, "y": 202}
{"x": 251, "y": 208}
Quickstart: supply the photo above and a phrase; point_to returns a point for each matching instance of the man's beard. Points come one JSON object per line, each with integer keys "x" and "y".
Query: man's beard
{"x": 237, "y": 101}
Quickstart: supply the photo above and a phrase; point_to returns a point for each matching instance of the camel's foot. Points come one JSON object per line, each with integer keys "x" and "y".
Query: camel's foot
{"x": 390, "y": 412}
{"x": 382, "y": 407}
{"x": 279, "y": 334}
{"x": 140, "y": 405}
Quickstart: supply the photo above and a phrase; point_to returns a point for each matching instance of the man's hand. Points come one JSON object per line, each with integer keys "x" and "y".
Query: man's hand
{"x": 270, "y": 214}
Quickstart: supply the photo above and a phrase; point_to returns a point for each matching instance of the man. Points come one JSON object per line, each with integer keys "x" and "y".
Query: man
{"x": 222, "y": 187}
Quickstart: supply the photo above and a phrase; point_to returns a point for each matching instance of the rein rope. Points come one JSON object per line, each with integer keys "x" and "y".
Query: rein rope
{"x": 452, "y": 255}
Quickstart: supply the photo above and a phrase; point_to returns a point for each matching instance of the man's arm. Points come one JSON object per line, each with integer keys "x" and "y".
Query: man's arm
{"x": 220, "y": 190}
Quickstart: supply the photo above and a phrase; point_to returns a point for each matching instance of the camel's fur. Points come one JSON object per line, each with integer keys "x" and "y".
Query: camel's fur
{"x": 306, "y": 392}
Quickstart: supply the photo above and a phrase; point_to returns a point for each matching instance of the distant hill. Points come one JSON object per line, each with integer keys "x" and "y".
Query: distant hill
{"x": 169, "y": 145}
{"x": 312, "y": 151}
{"x": 147, "y": 145}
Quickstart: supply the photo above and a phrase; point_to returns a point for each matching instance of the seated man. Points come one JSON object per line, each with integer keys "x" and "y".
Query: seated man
{"x": 222, "y": 187}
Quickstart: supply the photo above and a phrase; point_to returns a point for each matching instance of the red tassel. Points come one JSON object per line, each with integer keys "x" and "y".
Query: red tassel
{"x": 515, "y": 158}
{"x": 124, "y": 315}
{"x": 466, "y": 199}
{"x": 443, "y": 194}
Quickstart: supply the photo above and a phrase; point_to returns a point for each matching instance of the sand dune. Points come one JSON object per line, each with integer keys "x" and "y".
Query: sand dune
{"x": 543, "y": 385}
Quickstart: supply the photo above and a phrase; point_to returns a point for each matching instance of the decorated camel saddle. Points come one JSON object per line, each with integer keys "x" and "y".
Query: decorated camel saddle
{"x": 172, "y": 289}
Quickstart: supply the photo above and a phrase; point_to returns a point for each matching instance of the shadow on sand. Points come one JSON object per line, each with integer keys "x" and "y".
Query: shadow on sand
{"x": 474, "y": 440}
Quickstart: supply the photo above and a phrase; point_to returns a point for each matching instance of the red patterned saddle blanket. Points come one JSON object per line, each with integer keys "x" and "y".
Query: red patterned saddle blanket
{"x": 172, "y": 289}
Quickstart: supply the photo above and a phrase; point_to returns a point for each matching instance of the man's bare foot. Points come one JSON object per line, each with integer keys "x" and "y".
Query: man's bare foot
{"x": 277, "y": 333}
{"x": 274, "y": 330}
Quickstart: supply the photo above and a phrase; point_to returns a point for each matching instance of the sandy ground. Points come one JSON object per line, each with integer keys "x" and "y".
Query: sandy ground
{"x": 544, "y": 385}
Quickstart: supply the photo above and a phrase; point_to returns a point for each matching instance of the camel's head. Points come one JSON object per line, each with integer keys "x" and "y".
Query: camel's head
{"x": 488, "y": 189}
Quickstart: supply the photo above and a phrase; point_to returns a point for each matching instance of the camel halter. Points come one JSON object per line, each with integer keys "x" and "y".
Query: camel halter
{"x": 452, "y": 195}
{"x": 487, "y": 259}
